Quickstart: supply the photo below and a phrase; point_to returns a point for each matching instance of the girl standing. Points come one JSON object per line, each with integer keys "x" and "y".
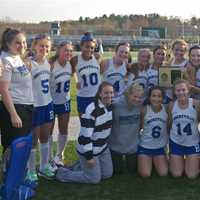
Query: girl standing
{"x": 61, "y": 73}
{"x": 139, "y": 69}
{"x": 43, "y": 107}
{"x": 16, "y": 105}
{"x": 114, "y": 70}
{"x": 159, "y": 54}
{"x": 86, "y": 69}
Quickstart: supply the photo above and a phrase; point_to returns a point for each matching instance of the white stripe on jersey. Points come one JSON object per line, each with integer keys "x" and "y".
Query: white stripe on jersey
{"x": 184, "y": 129}
{"x": 60, "y": 83}
{"x": 154, "y": 135}
{"x": 88, "y": 73}
{"x": 152, "y": 75}
{"x": 40, "y": 79}
{"x": 115, "y": 76}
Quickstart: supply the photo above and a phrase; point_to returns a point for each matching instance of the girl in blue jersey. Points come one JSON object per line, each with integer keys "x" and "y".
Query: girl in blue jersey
{"x": 114, "y": 70}
{"x": 159, "y": 54}
{"x": 86, "y": 69}
{"x": 139, "y": 69}
{"x": 43, "y": 106}
{"x": 193, "y": 71}
{"x": 179, "y": 49}
{"x": 61, "y": 73}
{"x": 184, "y": 134}
{"x": 153, "y": 139}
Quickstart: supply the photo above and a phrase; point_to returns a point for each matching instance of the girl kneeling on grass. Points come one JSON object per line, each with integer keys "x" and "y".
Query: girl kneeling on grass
{"x": 92, "y": 147}
{"x": 184, "y": 135}
{"x": 124, "y": 138}
{"x": 151, "y": 150}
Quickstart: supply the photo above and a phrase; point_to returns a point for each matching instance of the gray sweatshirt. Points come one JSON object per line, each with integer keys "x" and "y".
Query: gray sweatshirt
{"x": 124, "y": 136}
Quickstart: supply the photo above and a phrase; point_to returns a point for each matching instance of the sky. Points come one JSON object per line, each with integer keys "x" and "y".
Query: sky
{"x": 56, "y": 10}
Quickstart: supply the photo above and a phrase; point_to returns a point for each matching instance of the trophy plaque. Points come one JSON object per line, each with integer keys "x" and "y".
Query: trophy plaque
{"x": 168, "y": 75}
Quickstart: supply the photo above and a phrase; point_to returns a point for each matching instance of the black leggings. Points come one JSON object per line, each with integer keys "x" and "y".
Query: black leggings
{"x": 8, "y": 132}
{"x": 118, "y": 162}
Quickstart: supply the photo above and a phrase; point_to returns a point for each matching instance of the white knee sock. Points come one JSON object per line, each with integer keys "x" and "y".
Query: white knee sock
{"x": 44, "y": 155}
{"x": 32, "y": 160}
{"x": 50, "y": 147}
{"x": 62, "y": 140}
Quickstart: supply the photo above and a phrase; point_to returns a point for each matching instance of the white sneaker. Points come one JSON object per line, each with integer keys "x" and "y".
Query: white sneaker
{"x": 58, "y": 161}
{"x": 52, "y": 165}
{"x": 47, "y": 173}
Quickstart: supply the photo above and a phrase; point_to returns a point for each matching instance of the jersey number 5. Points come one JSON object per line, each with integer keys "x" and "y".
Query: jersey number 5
{"x": 45, "y": 86}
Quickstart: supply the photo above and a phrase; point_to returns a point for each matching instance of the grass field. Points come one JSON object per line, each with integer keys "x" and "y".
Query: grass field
{"x": 123, "y": 187}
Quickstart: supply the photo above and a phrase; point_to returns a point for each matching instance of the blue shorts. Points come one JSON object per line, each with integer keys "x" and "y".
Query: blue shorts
{"x": 151, "y": 152}
{"x": 177, "y": 149}
{"x": 60, "y": 109}
{"x": 83, "y": 102}
{"x": 43, "y": 114}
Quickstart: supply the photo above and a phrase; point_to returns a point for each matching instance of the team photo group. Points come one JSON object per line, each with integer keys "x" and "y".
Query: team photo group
{"x": 128, "y": 121}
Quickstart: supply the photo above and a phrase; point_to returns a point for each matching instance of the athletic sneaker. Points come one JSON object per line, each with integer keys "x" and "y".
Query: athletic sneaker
{"x": 58, "y": 161}
{"x": 32, "y": 175}
{"x": 46, "y": 173}
{"x": 52, "y": 165}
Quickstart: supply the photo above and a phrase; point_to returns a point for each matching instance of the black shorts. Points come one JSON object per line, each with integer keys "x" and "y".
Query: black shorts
{"x": 8, "y": 132}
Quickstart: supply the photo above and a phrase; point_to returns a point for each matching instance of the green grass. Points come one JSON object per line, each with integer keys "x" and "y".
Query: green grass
{"x": 123, "y": 187}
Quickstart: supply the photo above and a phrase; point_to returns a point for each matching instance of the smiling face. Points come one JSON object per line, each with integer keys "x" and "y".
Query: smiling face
{"x": 156, "y": 98}
{"x": 42, "y": 47}
{"x": 106, "y": 95}
{"x": 135, "y": 98}
{"x": 194, "y": 57}
{"x": 181, "y": 91}
{"x": 143, "y": 58}
{"x": 18, "y": 45}
{"x": 159, "y": 56}
{"x": 179, "y": 51}
{"x": 65, "y": 52}
{"x": 122, "y": 53}
{"x": 87, "y": 49}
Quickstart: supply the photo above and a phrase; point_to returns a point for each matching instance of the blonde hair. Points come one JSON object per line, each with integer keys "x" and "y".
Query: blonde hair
{"x": 40, "y": 37}
{"x": 133, "y": 88}
{"x": 179, "y": 42}
{"x": 144, "y": 50}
